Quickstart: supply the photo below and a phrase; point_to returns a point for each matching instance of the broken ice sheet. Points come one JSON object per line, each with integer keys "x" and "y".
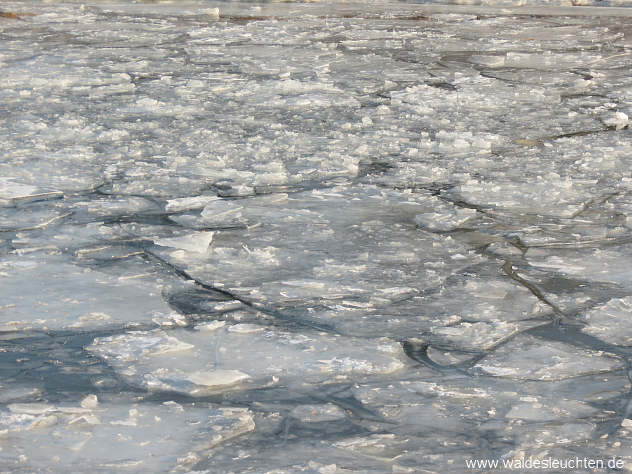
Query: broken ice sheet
{"x": 594, "y": 263}
{"x": 12, "y": 191}
{"x": 529, "y": 358}
{"x": 544, "y": 195}
{"x": 609, "y": 321}
{"x": 140, "y": 437}
{"x": 198, "y": 242}
{"x": 533, "y": 414}
{"x": 571, "y": 295}
{"x": 339, "y": 247}
{"x": 188, "y": 203}
{"x": 450, "y": 220}
{"x": 318, "y": 413}
{"x": 552, "y": 434}
{"x": 487, "y": 295}
{"x": 112, "y": 207}
{"x": 351, "y": 167}
{"x": 407, "y": 403}
{"x": 54, "y": 294}
{"x": 426, "y": 422}
{"x": 472, "y": 310}
{"x": 480, "y": 335}
{"x": 32, "y": 216}
{"x": 198, "y": 363}
{"x": 534, "y": 409}
{"x": 72, "y": 169}
{"x": 382, "y": 446}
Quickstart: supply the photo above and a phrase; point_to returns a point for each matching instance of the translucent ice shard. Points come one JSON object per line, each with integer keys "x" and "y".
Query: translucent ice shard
{"x": 617, "y": 120}
{"x": 445, "y": 221}
{"x": 198, "y": 242}
{"x": 221, "y": 212}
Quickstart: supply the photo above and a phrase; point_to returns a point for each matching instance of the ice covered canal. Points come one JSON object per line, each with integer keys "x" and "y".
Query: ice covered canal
{"x": 279, "y": 238}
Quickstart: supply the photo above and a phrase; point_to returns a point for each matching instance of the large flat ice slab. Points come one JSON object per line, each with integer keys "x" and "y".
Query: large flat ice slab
{"x": 528, "y": 358}
{"x": 52, "y": 294}
{"x": 139, "y": 438}
{"x": 235, "y": 357}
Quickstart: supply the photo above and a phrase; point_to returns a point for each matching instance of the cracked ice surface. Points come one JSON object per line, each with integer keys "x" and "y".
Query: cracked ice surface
{"x": 313, "y": 238}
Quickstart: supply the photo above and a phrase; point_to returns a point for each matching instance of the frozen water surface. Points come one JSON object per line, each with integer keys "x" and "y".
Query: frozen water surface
{"x": 314, "y": 237}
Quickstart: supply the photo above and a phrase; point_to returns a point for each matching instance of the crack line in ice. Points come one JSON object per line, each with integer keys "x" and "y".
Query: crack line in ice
{"x": 286, "y": 319}
{"x": 39, "y": 226}
{"x": 511, "y": 273}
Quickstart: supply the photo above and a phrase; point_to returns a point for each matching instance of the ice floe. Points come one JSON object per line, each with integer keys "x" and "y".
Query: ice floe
{"x": 313, "y": 237}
